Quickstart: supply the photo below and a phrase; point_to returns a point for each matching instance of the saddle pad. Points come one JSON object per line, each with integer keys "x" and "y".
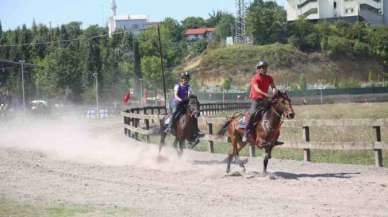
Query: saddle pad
{"x": 242, "y": 122}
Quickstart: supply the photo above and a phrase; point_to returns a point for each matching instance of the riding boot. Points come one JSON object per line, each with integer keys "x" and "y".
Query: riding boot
{"x": 248, "y": 128}
{"x": 174, "y": 119}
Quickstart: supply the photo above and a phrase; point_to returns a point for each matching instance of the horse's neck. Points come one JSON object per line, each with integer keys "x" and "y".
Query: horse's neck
{"x": 187, "y": 118}
{"x": 272, "y": 116}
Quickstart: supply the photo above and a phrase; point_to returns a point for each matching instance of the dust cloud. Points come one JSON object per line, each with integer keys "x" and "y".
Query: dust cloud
{"x": 86, "y": 141}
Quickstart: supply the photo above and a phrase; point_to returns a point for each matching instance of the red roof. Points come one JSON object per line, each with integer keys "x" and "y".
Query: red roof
{"x": 199, "y": 31}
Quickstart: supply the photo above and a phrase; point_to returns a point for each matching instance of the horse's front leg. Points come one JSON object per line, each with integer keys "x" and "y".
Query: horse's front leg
{"x": 180, "y": 147}
{"x": 162, "y": 140}
{"x": 267, "y": 156}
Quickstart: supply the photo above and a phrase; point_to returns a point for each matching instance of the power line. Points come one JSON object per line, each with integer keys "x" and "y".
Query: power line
{"x": 59, "y": 41}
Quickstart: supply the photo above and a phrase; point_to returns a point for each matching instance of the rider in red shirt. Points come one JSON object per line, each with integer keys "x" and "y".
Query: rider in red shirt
{"x": 260, "y": 84}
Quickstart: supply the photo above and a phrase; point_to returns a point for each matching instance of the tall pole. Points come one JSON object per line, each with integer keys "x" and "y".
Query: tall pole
{"x": 97, "y": 105}
{"x": 161, "y": 62}
{"x": 22, "y": 71}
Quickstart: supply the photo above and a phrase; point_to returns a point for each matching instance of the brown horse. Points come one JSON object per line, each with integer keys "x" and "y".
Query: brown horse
{"x": 266, "y": 130}
{"x": 185, "y": 127}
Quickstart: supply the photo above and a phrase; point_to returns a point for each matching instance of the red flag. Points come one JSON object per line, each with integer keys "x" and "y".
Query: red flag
{"x": 126, "y": 97}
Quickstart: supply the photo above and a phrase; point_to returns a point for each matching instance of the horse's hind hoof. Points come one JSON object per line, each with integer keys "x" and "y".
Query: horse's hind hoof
{"x": 278, "y": 143}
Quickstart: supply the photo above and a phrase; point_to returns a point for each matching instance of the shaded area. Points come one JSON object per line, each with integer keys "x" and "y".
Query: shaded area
{"x": 296, "y": 176}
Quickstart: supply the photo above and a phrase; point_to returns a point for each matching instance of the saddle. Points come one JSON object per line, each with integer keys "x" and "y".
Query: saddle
{"x": 243, "y": 121}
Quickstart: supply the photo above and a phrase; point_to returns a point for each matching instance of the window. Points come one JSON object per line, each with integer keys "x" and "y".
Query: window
{"x": 335, "y": 5}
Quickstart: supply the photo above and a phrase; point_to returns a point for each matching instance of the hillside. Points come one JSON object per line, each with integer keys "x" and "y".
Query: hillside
{"x": 287, "y": 65}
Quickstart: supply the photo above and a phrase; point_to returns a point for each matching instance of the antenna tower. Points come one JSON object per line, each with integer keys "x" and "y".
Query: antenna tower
{"x": 240, "y": 30}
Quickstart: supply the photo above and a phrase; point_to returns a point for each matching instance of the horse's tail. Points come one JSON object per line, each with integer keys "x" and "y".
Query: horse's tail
{"x": 223, "y": 129}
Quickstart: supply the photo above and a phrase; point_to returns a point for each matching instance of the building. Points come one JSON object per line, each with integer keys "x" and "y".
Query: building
{"x": 130, "y": 23}
{"x": 199, "y": 34}
{"x": 372, "y": 11}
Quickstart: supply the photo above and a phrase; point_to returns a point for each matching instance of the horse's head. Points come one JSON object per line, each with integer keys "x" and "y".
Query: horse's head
{"x": 282, "y": 104}
{"x": 193, "y": 106}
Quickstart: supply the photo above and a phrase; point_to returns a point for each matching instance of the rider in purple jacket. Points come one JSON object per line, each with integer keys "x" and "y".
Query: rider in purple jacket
{"x": 182, "y": 91}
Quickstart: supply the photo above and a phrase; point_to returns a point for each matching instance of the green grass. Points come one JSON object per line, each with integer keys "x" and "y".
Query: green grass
{"x": 9, "y": 208}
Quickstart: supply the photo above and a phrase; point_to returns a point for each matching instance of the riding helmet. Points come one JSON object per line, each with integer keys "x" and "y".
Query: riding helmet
{"x": 185, "y": 75}
{"x": 261, "y": 64}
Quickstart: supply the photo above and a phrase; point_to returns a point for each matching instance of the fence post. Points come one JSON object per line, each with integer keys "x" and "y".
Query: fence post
{"x": 130, "y": 122}
{"x": 147, "y": 125}
{"x": 152, "y": 113}
{"x": 211, "y": 143}
{"x": 306, "y": 137}
{"x": 136, "y": 123}
{"x": 125, "y": 122}
{"x": 378, "y": 152}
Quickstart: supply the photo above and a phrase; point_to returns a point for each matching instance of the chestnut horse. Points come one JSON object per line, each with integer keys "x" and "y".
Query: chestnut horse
{"x": 184, "y": 128}
{"x": 266, "y": 130}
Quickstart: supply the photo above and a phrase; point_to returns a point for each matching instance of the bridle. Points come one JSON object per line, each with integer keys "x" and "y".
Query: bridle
{"x": 275, "y": 100}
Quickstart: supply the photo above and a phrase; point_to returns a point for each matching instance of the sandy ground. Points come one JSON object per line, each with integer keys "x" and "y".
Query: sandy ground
{"x": 93, "y": 164}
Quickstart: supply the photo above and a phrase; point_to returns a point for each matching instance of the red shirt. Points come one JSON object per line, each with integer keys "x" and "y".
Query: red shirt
{"x": 263, "y": 81}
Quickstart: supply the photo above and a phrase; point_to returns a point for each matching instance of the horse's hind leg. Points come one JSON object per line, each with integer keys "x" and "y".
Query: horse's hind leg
{"x": 240, "y": 162}
{"x": 232, "y": 153}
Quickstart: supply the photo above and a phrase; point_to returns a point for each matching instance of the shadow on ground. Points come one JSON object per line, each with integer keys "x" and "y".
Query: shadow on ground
{"x": 287, "y": 175}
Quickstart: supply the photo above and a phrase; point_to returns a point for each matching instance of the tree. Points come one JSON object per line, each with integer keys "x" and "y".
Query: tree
{"x": 225, "y": 26}
{"x": 193, "y": 22}
{"x": 216, "y": 17}
{"x": 227, "y": 84}
{"x": 152, "y": 73}
{"x": 91, "y": 53}
{"x": 173, "y": 28}
{"x": 65, "y": 73}
{"x": 303, "y": 35}
{"x": 266, "y": 22}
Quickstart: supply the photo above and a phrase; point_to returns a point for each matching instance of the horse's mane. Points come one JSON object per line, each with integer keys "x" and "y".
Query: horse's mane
{"x": 280, "y": 94}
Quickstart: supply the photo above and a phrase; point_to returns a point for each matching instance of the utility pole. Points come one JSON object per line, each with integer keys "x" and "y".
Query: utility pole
{"x": 95, "y": 75}
{"x": 22, "y": 71}
{"x": 162, "y": 63}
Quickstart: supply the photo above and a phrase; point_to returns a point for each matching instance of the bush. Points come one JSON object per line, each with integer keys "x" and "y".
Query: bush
{"x": 198, "y": 47}
{"x": 351, "y": 83}
{"x": 361, "y": 49}
{"x": 312, "y": 41}
{"x": 339, "y": 46}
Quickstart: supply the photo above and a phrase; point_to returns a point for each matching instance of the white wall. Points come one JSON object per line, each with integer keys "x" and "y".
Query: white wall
{"x": 385, "y": 6}
{"x": 343, "y": 9}
{"x": 292, "y": 10}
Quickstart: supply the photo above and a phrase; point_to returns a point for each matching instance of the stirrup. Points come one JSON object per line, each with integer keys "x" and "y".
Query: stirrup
{"x": 244, "y": 138}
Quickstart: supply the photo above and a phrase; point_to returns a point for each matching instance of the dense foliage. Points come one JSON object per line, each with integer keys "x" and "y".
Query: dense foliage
{"x": 70, "y": 56}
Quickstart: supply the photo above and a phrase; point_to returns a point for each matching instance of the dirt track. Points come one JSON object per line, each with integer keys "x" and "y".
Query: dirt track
{"x": 72, "y": 166}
